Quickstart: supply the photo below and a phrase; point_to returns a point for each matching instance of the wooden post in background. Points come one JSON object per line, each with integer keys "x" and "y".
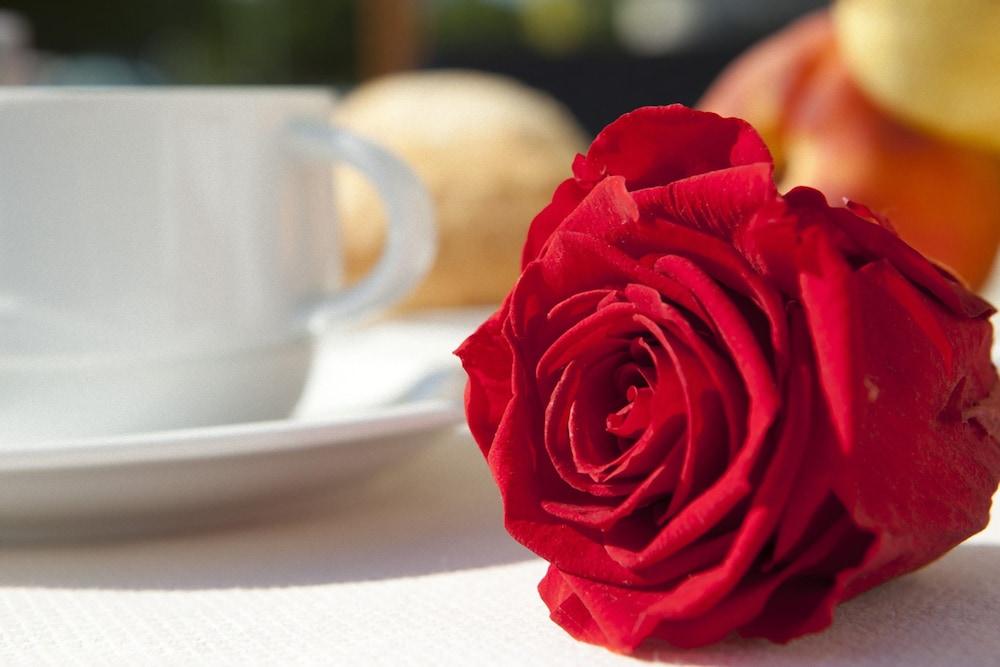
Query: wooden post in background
{"x": 390, "y": 36}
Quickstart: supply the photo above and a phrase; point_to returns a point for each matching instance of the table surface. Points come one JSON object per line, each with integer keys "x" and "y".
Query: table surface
{"x": 413, "y": 567}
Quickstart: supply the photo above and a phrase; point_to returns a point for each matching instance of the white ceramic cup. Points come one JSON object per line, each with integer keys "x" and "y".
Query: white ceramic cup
{"x": 165, "y": 254}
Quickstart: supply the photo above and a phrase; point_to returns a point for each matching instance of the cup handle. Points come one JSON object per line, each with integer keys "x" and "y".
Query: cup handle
{"x": 411, "y": 237}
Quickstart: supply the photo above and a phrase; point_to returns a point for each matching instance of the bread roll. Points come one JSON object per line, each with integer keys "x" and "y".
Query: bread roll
{"x": 490, "y": 151}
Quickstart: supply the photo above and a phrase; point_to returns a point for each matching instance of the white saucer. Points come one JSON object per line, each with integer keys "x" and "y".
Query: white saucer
{"x": 376, "y": 395}
{"x": 183, "y": 479}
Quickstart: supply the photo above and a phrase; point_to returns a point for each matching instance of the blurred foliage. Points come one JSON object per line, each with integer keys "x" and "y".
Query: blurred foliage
{"x": 552, "y": 27}
{"x": 474, "y": 25}
{"x": 562, "y": 27}
{"x": 264, "y": 41}
{"x": 317, "y": 41}
{"x": 202, "y": 41}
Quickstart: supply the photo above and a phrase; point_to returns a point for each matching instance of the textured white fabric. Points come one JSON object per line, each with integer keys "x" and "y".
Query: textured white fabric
{"x": 414, "y": 568}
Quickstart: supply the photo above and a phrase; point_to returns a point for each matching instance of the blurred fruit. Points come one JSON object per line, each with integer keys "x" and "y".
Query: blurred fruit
{"x": 935, "y": 63}
{"x": 490, "y": 151}
{"x": 943, "y": 198}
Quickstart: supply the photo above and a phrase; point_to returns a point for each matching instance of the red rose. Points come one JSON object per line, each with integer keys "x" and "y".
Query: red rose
{"x": 713, "y": 408}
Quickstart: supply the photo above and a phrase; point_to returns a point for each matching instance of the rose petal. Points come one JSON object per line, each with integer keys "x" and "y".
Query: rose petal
{"x": 875, "y": 242}
{"x": 609, "y": 327}
{"x": 650, "y": 146}
{"x": 825, "y": 286}
{"x": 717, "y": 203}
{"x": 603, "y": 517}
{"x": 736, "y": 335}
{"x": 518, "y": 463}
{"x": 574, "y": 263}
{"x": 487, "y": 360}
{"x": 567, "y": 448}
{"x": 705, "y": 432}
{"x": 567, "y": 197}
{"x": 657, "y": 145}
{"x": 729, "y": 387}
{"x": 652, "y": 234}
{"x": 918, "y": 477}
{"x": 608, "y": 212}
{"x": 698, "y": 593}
{"x": 568, "y": 611}
{"x": 812, "y": 486}
{"x": 569, "y": 311}
{"x": 746, "y": 611}
{"x": 622, "y": 618}
{"x": 664, "y": 426}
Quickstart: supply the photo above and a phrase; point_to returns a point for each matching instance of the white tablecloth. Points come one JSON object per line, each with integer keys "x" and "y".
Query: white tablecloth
{"x": 414, "y": 567}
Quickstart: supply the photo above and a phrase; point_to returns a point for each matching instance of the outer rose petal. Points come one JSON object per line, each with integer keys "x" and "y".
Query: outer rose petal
{"x": 825, "y": 288}
{"x": 566, "y": 198}
{"x": 655, "y": 146}
{"x": 487, "y": 360}
{"x": 651, "y": 146}
{"x": 857, "y": 236}
{"x": 903, "y": 354}
{"x": 716, "y": 202}
{"x": 616, "y": 616}
{"x": 921, "y": 471}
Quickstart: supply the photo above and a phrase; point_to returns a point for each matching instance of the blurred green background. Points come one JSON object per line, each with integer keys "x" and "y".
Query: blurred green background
{"x": 601, "y": 57}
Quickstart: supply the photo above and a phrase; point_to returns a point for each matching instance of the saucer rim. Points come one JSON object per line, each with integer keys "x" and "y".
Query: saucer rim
{"x": 233, "y": 440}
